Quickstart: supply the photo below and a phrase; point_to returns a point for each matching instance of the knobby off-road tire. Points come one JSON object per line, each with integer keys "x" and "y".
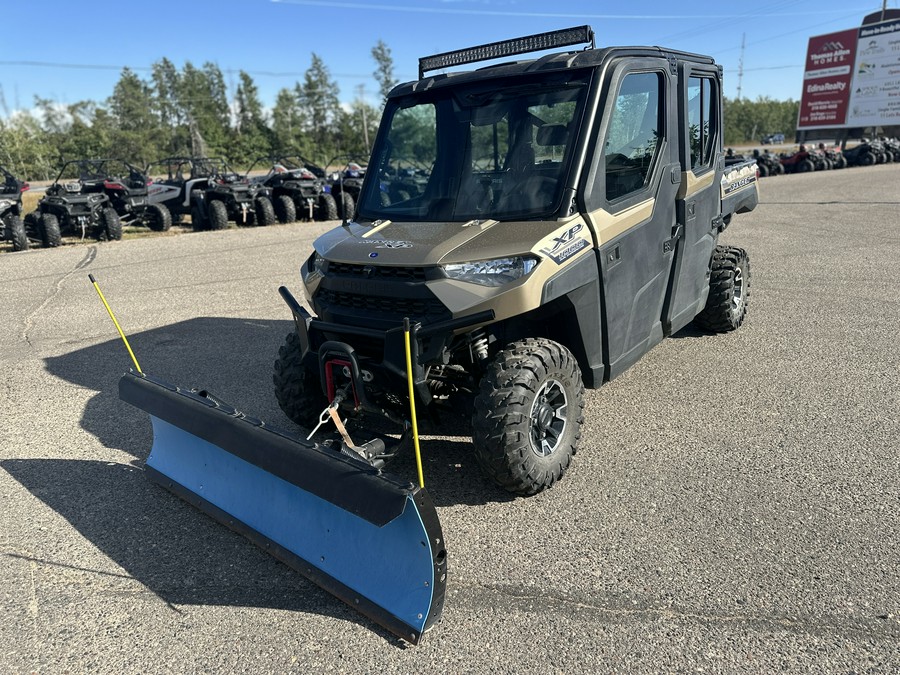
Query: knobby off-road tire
{"x": 528, "y": 415}
{"x": 346, "y": 206}
{"x": 285, "y": 210}
{"x": 729, "y": 291}
{"x": 15, "y": 233}
{"x": 158, "y": 217}
{"x": 110, "y": 226}
{"x": 327, "y": 208}
{"x": 297, "y": 388}
{"x": 218, "y": 215}
{"x": 48, "y": 226}
{"x": 265, "y": 212}
{"x": 198, "y": 222}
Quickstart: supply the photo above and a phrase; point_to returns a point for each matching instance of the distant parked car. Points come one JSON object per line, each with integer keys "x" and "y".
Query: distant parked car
{"x": 772, "y": 139}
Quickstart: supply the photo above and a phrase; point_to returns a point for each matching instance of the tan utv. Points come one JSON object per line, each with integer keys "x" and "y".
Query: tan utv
{"x": 566, "y": 220}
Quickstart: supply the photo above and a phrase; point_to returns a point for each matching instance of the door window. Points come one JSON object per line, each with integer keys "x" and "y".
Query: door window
{"x": 634, "y": 134}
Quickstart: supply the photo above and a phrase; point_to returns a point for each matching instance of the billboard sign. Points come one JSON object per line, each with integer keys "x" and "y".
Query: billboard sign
{"x": 852, "y": 78}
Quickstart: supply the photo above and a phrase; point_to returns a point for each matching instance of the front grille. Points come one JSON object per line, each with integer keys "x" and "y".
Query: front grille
{"x": 378, "y": 272}
{"x": 414, "y": 308}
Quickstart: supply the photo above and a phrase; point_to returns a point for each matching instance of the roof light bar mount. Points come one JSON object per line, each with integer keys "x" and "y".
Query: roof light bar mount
{"x": 496, "y": 50}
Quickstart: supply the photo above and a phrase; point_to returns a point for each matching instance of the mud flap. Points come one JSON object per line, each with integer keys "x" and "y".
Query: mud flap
{"x": 369, "y": 538}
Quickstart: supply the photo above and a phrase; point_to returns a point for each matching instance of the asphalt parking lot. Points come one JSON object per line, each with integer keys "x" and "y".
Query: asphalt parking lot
{"x": 735, "y": 506}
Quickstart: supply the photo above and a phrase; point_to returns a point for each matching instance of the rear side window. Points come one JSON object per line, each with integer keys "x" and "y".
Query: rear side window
{"x": 703, "y": 115}
{"x": 634, "y": 134}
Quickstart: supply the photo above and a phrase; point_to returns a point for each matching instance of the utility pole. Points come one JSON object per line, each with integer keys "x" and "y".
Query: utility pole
{"x": 362, "y": 105}
{"x": 741, "y": 65}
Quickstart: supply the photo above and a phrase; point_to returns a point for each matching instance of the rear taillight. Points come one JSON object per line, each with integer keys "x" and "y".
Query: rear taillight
{"x": 111, "y": 185}
{"x": 25, "y": 186}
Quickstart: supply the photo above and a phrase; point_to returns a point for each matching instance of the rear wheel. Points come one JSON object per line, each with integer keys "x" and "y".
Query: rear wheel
{"x": 198, "y": 222}
{"x": 806, "y": 165}
{"x": 218, "y": 215}
{"x": 868, "y": 159}
{"x": 265, "y": 212}
{"x": 729, "y": 291}
{"x": 285, "y": 210}
{"x": 110, "y": 226}
{"x": 15, "y": 232}
{"x": 327, "y": 208}
{"x": 48, "y": 225}
{"x": 158, "y": 218}
{"x": 528, "y": 415}
{"x": 297, "y": 388}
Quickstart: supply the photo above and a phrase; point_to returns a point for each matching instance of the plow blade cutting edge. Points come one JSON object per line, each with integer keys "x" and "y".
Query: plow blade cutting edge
{"x": 369, "y": 538}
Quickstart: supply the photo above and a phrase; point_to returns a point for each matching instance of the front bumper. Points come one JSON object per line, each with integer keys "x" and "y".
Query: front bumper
{"x": 384, "y": 352}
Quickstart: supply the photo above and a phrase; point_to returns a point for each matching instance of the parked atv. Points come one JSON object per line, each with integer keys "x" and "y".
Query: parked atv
{"x": 767, "y": 163}
{"x": 864, "y": 154}
{"x": 12, "y": 229}
{"x": 209, "y": 191}
{"x": 833, "y": 156}
{"x": 799, "y": 162}
{"x": 298, "y": 189}
{"x": 77, "y": 203}
{"x": 892, "y": 148}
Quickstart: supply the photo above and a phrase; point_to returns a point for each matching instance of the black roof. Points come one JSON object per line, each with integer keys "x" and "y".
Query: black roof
{"x": 588, "y": 58}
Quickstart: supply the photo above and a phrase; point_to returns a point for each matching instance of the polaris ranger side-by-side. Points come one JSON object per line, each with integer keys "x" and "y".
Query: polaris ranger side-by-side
{"x": 298, "y": 188}
{"x": 77, "y": 203}
{"x": 564, "y": 218}
{"x": 568, "y": 220}
{"x": 12, "y": 228}
{"x": 208, "y": 190}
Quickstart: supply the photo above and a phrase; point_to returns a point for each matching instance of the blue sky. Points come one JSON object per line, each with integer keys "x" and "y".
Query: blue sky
{"x": 71, "y": 51}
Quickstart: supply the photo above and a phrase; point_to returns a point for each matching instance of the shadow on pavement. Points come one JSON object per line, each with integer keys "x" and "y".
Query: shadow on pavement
{"x": 181, "y": 556}
{"x": 232, "y": 358}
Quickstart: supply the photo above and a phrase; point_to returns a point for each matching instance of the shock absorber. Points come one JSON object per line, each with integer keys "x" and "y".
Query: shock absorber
{"x": 478, "y": 346}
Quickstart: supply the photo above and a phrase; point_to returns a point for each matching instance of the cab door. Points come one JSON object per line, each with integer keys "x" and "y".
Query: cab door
{"x": 629, "y": 194}
{"x": 698, "y": 202}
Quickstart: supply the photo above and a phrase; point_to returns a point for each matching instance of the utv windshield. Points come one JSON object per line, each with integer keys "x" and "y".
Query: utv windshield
{"x": 497, "y": 150}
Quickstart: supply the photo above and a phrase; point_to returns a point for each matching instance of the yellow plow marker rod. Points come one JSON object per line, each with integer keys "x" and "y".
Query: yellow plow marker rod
{"x": 412, "y": 403}
{"x": 113, "y": 317}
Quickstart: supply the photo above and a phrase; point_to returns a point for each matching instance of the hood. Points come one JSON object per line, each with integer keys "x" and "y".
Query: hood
{"x": 431, "y": 243}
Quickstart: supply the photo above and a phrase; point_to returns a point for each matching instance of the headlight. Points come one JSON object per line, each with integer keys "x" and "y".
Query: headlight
{"x": 495, "y": 272}
{"x": 316, "y": 266}
{"x": 5, "y": 203}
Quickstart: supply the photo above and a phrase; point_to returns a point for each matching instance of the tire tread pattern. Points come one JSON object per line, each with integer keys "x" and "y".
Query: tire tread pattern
{"x": 502, "y": 419}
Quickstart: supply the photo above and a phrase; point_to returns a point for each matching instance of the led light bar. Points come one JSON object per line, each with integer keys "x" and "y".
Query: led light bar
{"x": 496, "y": 50}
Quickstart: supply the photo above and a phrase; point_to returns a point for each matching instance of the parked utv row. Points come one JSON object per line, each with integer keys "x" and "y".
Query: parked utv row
{"x": 94, "y": 198}
{"x": 822, "y": 158}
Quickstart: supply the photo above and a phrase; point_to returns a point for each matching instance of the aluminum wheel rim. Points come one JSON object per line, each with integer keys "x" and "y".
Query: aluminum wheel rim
{"x": 548, "y": 418}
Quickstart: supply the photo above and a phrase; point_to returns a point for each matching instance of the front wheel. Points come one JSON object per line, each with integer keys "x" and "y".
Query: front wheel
{"x": 218, "y": 215}
{"x": 49, "y": 230}
{"x": 327, "y": 208}
{"x": 264, "y": 211}
{"x": 285, "y": 210}
{"x": 528, "y": 415}
{"x": 110, "y": 226}
{"x": 297, "y": 388}
{"x": 15, "y": 232}
{"x": 729, "y": 291}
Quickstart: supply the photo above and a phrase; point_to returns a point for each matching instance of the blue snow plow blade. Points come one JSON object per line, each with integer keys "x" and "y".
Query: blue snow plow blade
{"x": 369, "y": 538}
